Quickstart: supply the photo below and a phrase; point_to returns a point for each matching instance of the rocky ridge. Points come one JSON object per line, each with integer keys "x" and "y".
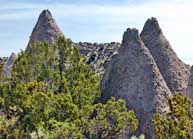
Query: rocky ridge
{"x": 98, "y": 54}
{"x": 133, "y": 75}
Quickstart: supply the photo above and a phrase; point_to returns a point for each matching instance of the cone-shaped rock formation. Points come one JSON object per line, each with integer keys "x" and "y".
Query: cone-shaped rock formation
{"x": 189, "y": 91}
{"x": 7, "y": 67}
{"x": 133, "y": 75}
{"x": 174, "y": 71}
{"x": 45, "y": 29}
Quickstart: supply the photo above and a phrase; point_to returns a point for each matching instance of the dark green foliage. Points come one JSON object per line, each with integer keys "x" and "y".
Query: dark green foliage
{"x": 111, "y": 120}
{"x": 178, "y": 123}
{"x": 51, "y": 94}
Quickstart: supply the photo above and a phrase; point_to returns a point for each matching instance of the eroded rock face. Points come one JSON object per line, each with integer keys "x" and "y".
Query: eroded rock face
{"x": 98, "y": 54}
{"x": 7, "y": 67}
{"x": 3, "y": 60}
{"x": 174, "y": 71}
{"x": 45, "y": 29}
{"x": 189, "y": 91}
{"x": 133, "y": 75}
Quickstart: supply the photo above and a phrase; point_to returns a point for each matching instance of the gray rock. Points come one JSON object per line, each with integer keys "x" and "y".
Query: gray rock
{"x": 45, "y": 29}
{"x": 3, "y": 60}
{"x": 133, "y": 75}
{"x": 7, "y": 67}
{"x": 189, "y": 91}
{"x": 174, "y": 71}
{"x": 98, "y": 54}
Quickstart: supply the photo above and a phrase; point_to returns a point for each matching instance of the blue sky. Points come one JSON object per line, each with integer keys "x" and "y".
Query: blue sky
{"x": 97, "y": 21}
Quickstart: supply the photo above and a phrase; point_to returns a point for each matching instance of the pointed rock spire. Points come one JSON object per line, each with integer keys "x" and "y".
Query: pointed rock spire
{"x": 174, "y": 71}
{"x": 45, "y": 29}
{"x": 134, "y": 76}
{"x": 189, "y": 91}
{"x": 152, "y": 26}
{"x": 7, "y": 67}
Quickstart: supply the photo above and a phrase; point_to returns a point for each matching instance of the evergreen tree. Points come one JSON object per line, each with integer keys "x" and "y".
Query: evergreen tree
{"x": 178, "y": 123}
{"x": 52, "y": 93}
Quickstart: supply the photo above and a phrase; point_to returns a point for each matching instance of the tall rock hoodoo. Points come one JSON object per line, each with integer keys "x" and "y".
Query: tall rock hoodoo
{"x": 97, "y": 54}
{"x": 45, "y": 29}
{"x": 173, "y": 70}
{"x": 189, "y": 91}
{"x": 7, "y": 67}
{"x": 133, "y": 75}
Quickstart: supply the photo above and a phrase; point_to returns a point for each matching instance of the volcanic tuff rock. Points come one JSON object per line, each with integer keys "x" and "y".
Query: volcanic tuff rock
{"x": 189, "y": 91}
{"x": 174, "y": 71}
{"x": 7, "y": 67}
{"x": 98, "y": 54}
{"x": 45, "y": 29}
{"x": 133, "y": 75}
{"x": 3, "y": 60}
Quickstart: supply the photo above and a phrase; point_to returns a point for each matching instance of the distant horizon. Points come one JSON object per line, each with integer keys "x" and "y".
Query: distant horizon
{"x": 101, "y": 22}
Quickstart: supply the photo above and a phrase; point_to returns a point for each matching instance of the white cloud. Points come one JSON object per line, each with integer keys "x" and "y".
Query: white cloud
{"x": 175, "y": 18}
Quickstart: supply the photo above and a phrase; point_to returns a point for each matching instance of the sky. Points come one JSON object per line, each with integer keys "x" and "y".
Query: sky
{"x": 98, "y": 21}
